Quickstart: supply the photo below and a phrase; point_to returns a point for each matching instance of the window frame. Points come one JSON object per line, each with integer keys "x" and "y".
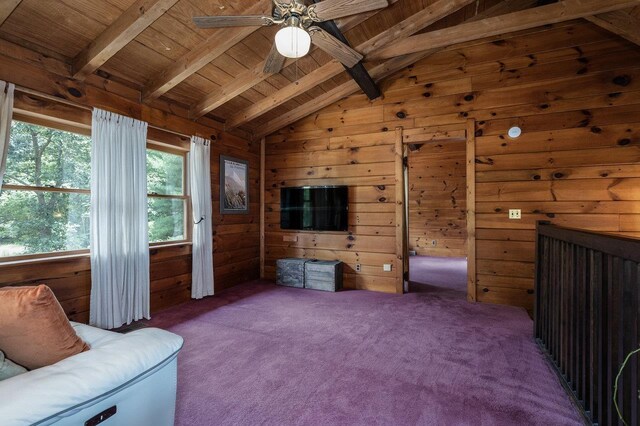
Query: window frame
{"x": 85, "y": 130}
{"x": 60, "y": 126}
{"x": 185, "y": 197}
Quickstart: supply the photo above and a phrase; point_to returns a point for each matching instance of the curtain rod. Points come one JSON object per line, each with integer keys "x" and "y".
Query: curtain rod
{"x": 28, "y": 91}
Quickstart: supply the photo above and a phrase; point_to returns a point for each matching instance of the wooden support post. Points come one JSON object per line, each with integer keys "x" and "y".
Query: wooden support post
{"x": 400, "y": 206}
{"x": 262, "y": 189}
{"x": 471, "y": 210}
{"x": 405, "y": 192}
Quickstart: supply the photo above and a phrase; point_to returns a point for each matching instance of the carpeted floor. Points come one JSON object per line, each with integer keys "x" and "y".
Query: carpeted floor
{"x": 442, "y": 272}
{"x": 261, "y": 354}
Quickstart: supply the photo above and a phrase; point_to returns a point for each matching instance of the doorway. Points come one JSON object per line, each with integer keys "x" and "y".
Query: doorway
{"x": 437, "y": 192}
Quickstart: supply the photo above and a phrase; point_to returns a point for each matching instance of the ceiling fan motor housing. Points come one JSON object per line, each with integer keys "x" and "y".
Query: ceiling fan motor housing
{"x": 295, "y": 13}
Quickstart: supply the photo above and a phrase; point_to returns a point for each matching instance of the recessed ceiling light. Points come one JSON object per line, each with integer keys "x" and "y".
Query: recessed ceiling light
{"x": 515, "y": 132}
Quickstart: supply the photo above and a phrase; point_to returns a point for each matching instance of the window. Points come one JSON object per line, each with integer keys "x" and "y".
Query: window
{"x": 45, "y": 199}
{"x": 45, "y": 202}
{"x": 167, "y": 200}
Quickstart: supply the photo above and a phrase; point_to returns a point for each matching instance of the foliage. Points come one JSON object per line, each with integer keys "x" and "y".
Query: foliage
{"x": 164, "y": 177}
{"x": 164, "y": 173}
{"x": 38, "y": 221}
{"x": 43, "y": 221}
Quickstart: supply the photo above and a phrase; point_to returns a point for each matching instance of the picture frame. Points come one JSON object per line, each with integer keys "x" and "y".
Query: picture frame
{"x": 234, "y": 185}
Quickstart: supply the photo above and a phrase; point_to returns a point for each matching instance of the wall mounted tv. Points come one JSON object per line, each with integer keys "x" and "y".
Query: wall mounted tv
{"x": 314, "y": 208}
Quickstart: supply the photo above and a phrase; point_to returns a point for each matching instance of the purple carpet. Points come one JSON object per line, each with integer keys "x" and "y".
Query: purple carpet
{"x": 441, "y": 272}
{"x": 262, "y": 354}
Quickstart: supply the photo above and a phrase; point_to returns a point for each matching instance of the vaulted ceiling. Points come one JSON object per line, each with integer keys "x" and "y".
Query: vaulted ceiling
{"x": 154, "y": 47}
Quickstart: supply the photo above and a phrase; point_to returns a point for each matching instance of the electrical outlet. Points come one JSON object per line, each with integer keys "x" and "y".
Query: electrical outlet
{"x": 515, "y": 214}
{"x": 358, "y": 267}
{"x": 386, "y": 267}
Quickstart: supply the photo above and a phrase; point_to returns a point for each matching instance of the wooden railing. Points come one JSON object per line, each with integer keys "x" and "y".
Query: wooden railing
{"x": 586, "y": 318}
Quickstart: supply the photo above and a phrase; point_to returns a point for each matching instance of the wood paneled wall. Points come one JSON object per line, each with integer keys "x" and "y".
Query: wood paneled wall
{"x": 70, "y": 279}
{"x": 573, "y": 89}
{"x": 236, "y": 241}
{"x": 364, "y": 162}
{"x": 437, "y": 199}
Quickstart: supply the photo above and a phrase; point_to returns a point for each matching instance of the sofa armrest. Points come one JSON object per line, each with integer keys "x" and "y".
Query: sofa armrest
{"x": 39, "y": 394}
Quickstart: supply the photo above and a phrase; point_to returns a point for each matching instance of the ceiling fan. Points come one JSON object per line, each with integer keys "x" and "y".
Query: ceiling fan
{"x": 299, "y": 29}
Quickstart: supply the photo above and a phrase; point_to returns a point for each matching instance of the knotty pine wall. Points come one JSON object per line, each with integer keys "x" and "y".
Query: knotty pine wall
{"x": 574, "y": 90}
{"x": 364, "y": 162}
{"x": 236, "y": 245}
{"x": 437, "y": 199}
{"x": 236, "y": 237}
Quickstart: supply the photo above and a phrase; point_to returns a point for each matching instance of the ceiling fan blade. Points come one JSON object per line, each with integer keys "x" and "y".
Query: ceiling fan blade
{"x": 334, "y": 47}
{"x": 230, "y": 21}
{"x": 274, "y": 62}
{"x": 333, "y": 9}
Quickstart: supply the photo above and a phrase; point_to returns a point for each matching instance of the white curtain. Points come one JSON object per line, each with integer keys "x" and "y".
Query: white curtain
{"x": 200, "y": 183}
{"x": 119, "y": 228}
{"x": 6, "y": 113}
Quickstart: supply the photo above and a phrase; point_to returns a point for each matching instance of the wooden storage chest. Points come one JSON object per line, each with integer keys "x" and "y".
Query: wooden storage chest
{"x": 323, "y": 275}
{"x": 290, "y": 272}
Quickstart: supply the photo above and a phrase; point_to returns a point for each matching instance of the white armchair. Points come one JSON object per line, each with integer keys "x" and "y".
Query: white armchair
{"x": 135, "y": 373}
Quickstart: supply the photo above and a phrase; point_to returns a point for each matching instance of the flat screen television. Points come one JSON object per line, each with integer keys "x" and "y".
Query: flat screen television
{"x": 314, "y": 208}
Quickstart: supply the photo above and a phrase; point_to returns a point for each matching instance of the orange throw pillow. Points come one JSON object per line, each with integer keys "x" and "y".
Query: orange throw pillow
{"x": 34, "y": 330}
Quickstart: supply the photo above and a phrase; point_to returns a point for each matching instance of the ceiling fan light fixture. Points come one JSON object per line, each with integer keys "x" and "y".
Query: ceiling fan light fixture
{"x": 293, "y": 41}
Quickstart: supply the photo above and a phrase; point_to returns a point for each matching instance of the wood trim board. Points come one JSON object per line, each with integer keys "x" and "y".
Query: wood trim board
{"x": 401, "y": 205}
{"x": 471, "y": 210}
{"x": 262, "y": 206}
{"x": 458, "y": 132}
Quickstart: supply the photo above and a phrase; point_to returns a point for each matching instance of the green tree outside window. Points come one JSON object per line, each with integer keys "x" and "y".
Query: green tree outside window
{"x": 45, "y": 199}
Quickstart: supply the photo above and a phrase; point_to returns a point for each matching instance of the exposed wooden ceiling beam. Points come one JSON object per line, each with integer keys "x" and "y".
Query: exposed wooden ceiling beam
{"x": 411, "y": 25}
{"x": 379, "y": 72}
{"x": 358, "y": 72}
{"x": 286, "y": 93}
{"x": 6, "y": 9}
{"x": 619, "y": 22}
{"x": 38, "y": 78}
{"x": 564, "y": 10}
{"x": 255, "y": 75}
{"x": 215, "y": 45}
{"x": 124, "y": 29}
{"x": 350, "y": 87}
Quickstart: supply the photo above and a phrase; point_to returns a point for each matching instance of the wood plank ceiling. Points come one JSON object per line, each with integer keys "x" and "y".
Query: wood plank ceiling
{"x": 154, "y": 47}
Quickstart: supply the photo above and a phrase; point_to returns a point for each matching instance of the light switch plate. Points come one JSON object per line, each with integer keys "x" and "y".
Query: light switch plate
{"x": 386, "y": 267}
{"x": 515, "y": 214}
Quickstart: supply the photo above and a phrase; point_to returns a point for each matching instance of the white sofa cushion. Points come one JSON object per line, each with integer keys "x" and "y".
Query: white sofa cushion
{"x": 114, "y": 361}
{"x": 94, "y": 336}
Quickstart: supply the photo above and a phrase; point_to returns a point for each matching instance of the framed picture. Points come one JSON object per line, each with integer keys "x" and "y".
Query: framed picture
{"x": 234, "y": 190}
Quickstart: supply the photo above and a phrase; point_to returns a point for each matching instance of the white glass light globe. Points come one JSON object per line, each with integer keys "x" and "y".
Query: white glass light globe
{"x": 293, "y": 42}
